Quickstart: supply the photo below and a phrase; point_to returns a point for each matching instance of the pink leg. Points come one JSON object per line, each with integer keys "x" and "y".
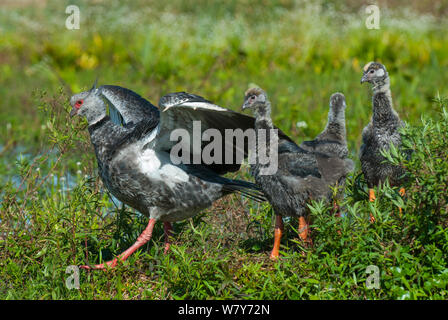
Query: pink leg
{"x": 144, "y": 237}
{"x": 168, "y": 229}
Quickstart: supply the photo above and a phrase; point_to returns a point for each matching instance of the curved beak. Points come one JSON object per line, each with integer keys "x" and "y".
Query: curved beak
{"x": 245, "y": 105}
{"x": 73, "y": 112}
{"x": 364, "y": 78}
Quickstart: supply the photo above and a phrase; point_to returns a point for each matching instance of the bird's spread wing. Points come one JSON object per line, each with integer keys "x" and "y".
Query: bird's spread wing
{"x": 177, "y": 98}
{"x": 127, "y": 107}
{"x": 193, "y": 116}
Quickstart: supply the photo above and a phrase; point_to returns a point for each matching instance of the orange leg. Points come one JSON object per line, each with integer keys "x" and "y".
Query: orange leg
{"x": 371, "y": 199}
{"x": 168, "y": 229}
{"x": 336, "y": 209}
{"x": 144, "y": 237}
{"x": 402, "y": 192}
{"x": 304, "y": 230}
{"x": 277, "y": 236}
{"x": 372, "y": 195}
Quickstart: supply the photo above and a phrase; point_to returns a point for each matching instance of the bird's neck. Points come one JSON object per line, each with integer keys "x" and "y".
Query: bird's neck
{"x": 382, "y": 103}
{"x": 382, "y": 86}
{"x": 266, "y": 142}
{"x": 263, "y": 117}
{"x": 96, "y": 115}
{"x": 336, "y": 124}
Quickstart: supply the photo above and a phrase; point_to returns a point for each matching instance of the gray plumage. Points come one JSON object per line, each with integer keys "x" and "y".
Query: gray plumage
{"x": 304, "y": 172}
{"x": 381, "y": 131}
{"x": 330, "y": 146}
{"x": 126, "y": 106}
{"x": 134, "y": 158}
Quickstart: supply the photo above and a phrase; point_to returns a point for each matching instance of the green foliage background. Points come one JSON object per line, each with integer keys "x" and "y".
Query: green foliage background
{"x": 54, "y": 211}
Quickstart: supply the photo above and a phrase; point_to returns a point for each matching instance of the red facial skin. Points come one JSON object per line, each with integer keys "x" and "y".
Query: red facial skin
{"x": 76, "y": 107}
{"x": 78, "y": 104}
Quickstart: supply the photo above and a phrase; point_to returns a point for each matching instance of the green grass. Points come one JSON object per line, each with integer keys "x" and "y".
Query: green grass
{"x": 55, "y": 212}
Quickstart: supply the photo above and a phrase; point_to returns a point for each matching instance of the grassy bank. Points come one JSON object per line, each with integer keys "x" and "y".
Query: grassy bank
{"x": 55, "y": 212}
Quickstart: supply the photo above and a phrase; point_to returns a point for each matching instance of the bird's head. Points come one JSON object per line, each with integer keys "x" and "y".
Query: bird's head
{"x": 255, "y": 98}
{"x": 337, "y": 102}
{"x": 337, "y": 107}
{"x": 88, "y": 104}
{"x": 375, "y": 73}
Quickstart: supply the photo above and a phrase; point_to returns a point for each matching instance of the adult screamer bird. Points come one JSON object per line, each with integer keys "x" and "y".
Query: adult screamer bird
{"x": 304, "y": 172}
{"x": 381, "y": 131}
{"x": 134, "y": 160}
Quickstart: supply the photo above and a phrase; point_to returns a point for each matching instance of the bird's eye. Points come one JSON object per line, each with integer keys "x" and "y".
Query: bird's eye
{"x": 252, "y": 98}
{"x": 372, "y": 71}
{"x": 79, "y": 103}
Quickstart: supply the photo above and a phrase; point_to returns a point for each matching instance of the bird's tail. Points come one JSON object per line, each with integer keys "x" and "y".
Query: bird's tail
{"x": 248, "y": 189}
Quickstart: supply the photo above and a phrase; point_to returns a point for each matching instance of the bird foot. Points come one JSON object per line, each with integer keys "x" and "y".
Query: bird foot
{"x": 144, "y": 237}
{"x": 274, "y": 255}
{"x": 167, "y": 248}
{"x": 102, "y": 266}
{"x": 278, "y": 232}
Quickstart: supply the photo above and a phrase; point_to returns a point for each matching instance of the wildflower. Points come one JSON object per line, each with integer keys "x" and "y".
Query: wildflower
{"x": 301, "y": 124}
{"x": 405, "y": 296}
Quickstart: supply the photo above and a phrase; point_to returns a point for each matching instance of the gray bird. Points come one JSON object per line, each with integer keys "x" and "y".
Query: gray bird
{"x": 134, "y": 156}
{"x": 330, "y": 146}
{"x": 381, "y": 131}
{"x": 304, "y": 172}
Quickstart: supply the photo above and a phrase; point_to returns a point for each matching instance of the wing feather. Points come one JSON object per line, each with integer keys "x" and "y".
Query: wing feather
{"x": 194, "y": 115}
{"x": 181, "y": 110}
